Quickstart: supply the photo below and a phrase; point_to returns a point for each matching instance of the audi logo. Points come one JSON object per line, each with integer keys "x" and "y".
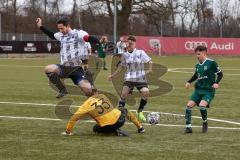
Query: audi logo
{"x": 191, "y": 45}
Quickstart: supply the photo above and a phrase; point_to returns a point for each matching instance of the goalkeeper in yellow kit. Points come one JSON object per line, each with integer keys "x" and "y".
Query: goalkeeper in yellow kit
{"x": 109, "y": 119}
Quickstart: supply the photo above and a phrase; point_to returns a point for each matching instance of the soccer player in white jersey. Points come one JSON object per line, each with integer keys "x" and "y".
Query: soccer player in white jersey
{"x": 121, "y": 48}
{"x": 72, "y": 43}
{"x": 133, "y": 60}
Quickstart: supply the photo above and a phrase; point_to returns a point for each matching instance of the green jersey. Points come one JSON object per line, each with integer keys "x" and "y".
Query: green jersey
{"x": 101, "y": 53}
{"x": 206, "y": 74}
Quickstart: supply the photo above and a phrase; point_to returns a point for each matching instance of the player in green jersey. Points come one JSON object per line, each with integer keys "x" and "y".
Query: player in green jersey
{"x": 102, "y": 51}
{"x": 206, "y": 84}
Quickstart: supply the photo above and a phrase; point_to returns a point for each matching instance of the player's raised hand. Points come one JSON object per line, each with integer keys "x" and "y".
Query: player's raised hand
{"x": 39, "y": 22}
{"x": 188, "y": 85}
{"x": 215, "y": 86}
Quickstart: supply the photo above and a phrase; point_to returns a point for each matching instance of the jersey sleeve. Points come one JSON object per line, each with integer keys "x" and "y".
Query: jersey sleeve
{"x": 123, "y": 60}
{"x": 57, "y": 36}
{"x": 215, "y": 67}
{"x": 85, "y": 108}
{"x": 145, "y": 58}
{"x": 89, "y": 45}
{"x": 82, "y": 110}
{"x": 81, "y": 34}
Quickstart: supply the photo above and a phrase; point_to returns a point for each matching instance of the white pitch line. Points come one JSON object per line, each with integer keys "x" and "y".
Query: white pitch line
{"x": 163, "y": 113}
{"x": 30, "y": 118}
{"x": 23, "y": 66}
{"x": 178, "y": 71}
{"x": 34, "y": 104}
{"x": 91, "y": 121}
{"x": 225, "y": 69}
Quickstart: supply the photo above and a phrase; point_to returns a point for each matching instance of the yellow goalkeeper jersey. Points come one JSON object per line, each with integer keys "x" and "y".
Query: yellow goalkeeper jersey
{"x": 100, "y": 109}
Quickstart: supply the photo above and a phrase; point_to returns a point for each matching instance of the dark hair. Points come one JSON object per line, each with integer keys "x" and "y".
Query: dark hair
{"x": 200, "y": 48}
{"x": 132, "y": 38}
{"x": 63, "y": 20}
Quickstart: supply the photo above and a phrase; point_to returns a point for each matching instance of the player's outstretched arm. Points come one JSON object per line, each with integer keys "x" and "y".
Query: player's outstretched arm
{"x": 50, "y": 34}
{"x": 119, "y": 69}
{"x": 150, "y": 71}
{"x": 91, "y": 39}
{"x": 72, "y": 123}
{"x": 82, "y": 110}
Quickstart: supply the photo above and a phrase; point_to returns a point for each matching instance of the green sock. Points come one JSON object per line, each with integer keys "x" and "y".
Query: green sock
{"x": 188, "y": 116}
{"x": 203, "y": 111}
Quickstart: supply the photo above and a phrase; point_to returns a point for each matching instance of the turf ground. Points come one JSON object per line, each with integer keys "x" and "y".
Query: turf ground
{"x": 22, "y": 137}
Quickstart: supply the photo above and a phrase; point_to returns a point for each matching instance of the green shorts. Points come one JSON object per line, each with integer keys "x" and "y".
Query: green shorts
{"x": 101, "y": 55}
{"x": 199, "y": 95}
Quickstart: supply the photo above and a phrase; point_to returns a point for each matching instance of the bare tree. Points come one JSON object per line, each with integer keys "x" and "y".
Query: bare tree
{"x": 193, "y": 12}
{"x": 45, "y": 11}
{"x": 183, "y": 12}
{"x": 126, "y": 8}
{"x": 15, "y": 15}
{"x": 223, "y": 15}
{"x": 74, "y": 13}
{"x": 55, "y": 7}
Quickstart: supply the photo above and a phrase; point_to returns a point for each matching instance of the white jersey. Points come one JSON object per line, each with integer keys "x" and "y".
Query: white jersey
{"x": 72, "y": 47}
{"x": 134, "y": 62}
{"x": 87, "y": 46}
{"x": 121, "y": 47}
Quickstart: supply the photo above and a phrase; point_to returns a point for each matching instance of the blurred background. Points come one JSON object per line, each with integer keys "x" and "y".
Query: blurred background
{"x": 171, "y": 18}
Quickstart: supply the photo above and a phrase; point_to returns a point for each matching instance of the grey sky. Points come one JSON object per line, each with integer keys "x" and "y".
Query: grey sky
{"x": 68, "y": 4}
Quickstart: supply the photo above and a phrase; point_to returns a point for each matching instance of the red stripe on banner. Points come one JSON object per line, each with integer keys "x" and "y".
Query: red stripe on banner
{"x": 185, "y": 46}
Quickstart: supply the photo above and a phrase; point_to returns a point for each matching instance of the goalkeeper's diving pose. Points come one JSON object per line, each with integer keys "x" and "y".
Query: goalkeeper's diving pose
{"x": 108, "y": 118}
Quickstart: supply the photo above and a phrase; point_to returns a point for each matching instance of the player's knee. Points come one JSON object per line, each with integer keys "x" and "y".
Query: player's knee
{"x": 47, "y": 69}
{"x": 203, "y": 103}
{"x": 145, "y": 92}
{"x": 191, "y": 104}
{"x": 51, "y": 69}
{"x": 85, "y": 87}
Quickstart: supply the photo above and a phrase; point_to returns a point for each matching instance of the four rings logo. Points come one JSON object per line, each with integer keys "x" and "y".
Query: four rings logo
{"x": 191, "y": 45}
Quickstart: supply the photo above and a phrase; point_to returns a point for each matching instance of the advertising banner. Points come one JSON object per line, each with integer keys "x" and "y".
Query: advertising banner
{"x": 29, "y": 47}
{"x": 185, "y": 46}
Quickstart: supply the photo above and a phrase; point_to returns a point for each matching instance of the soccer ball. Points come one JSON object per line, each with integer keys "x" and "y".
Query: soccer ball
{"x": 153, "y": 117}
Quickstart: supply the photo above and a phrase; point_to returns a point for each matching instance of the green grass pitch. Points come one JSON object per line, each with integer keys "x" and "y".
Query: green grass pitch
{"x": 23, "y": 81}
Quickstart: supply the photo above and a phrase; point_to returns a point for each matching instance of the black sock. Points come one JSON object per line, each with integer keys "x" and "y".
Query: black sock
{"x": 143, "y": 102}
{"x": 203, "y": 111}
{"x": 121, "y": 103}
{"x": 55, "y": 79}
{"x": 89, "y": 77}
{"x": 188, "y": 116}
